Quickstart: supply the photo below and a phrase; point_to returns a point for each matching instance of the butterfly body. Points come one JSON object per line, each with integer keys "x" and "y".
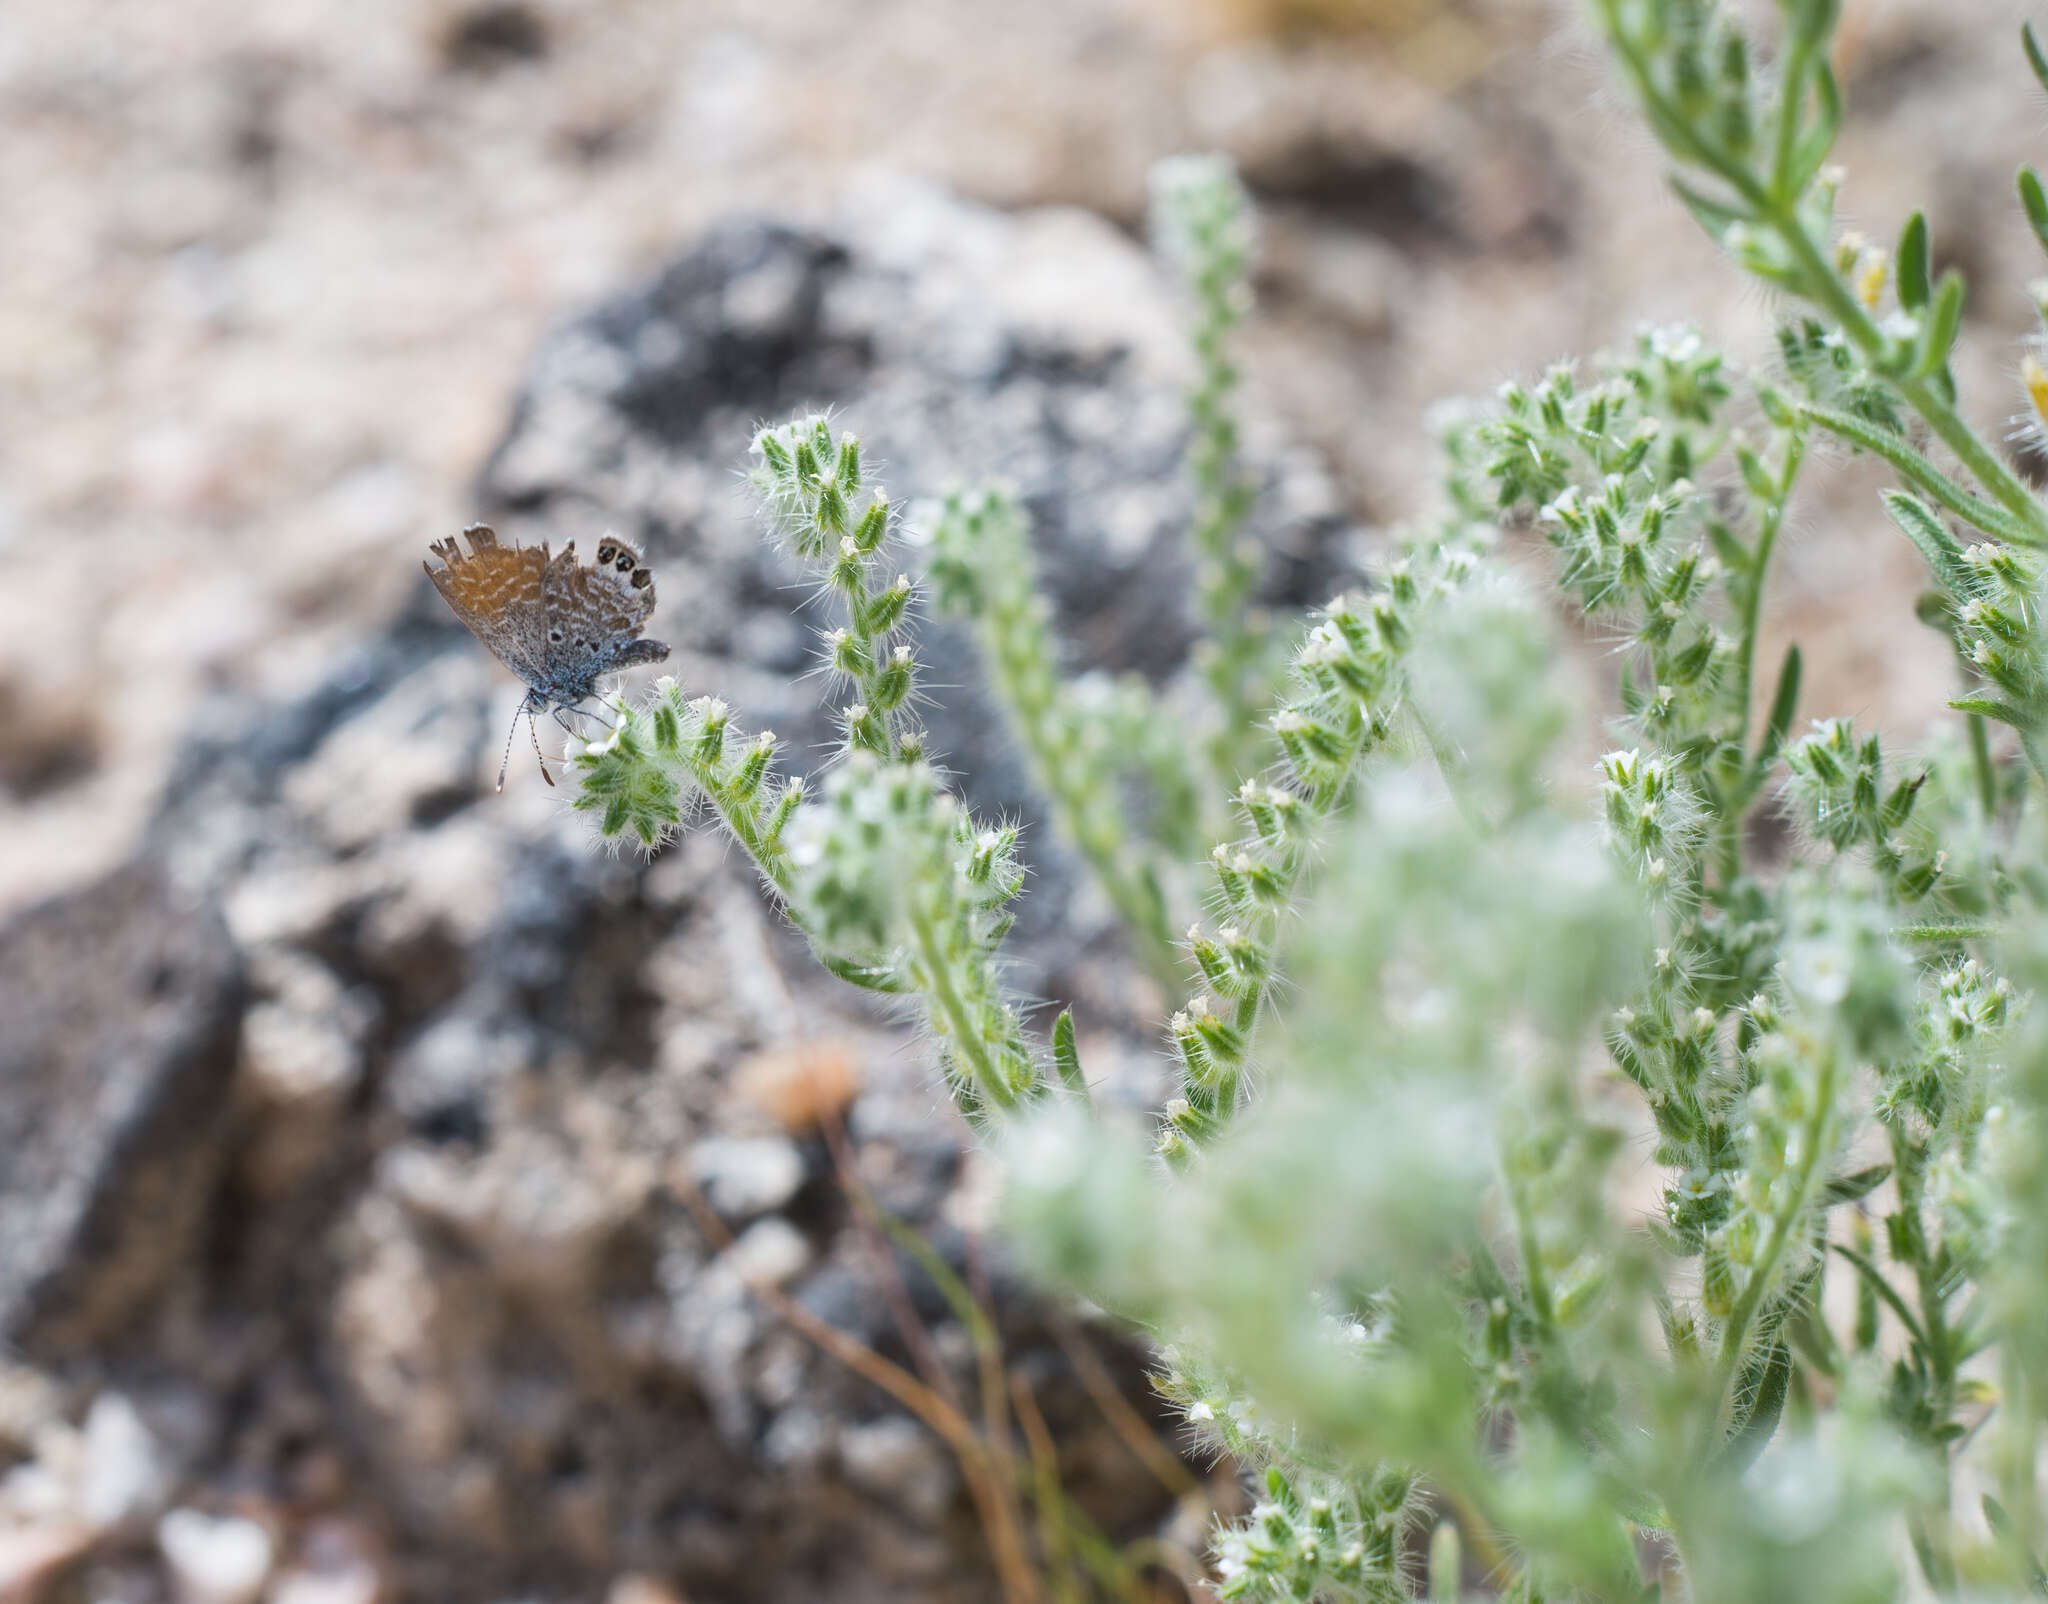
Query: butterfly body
{"x": 559, "y": 624}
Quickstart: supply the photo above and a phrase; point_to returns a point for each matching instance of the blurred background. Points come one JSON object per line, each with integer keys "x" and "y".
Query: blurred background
{"x": 271, "y": 281}
{"x": 273, "y": 272}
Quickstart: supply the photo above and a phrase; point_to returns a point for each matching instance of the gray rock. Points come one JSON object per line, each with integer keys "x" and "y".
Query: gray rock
{"x": 124, "y": 1470}
{"x": 215, "y": 1559}
{"x": 743, "y": 1176}
{"x": 898, "y": 1460}
{"x": 121, "y": 1004}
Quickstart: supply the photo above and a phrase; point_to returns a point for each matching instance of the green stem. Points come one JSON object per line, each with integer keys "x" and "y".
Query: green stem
{"x": 1672, "y": 125}
{"x": 1987, "y": 772}
{"x": 1753, "y": 602}
{"x": 1092, "y": 818}
{"x": 982, "y": 570}
{"x": 742, "y": 821}
{"x": 955, "y": 1019}
{"x": 1763, "y": 1272}
{"x": 876, "y": 667}
{"x": 1532, "y": 1260}
{"x": 1734, "y": 816}
{"x": 1791, "y": 106}
{"x": 1936, "y": 1345}
{"x": 2030, "y": 743}
{"x": 1728, "y": 847}
{"x": 2016, "y": 1459}
{"x": 1937, "y": 1352}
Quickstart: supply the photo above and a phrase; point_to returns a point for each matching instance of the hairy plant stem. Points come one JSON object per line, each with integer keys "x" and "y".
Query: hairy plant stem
{"x": 1735, "y": 1332}
{"x": 742, "y": 822}
{"x": 1772, "y": 522}
{"x": 951, "y": 1008}
{"x": 982, "y": 569}
{"x": 1937, "y": 1348}
{"x": 1735, "y": 815}
{"x": 2030, "y": 743}
{"x": 1986, "y": 770}
{"x": 1114, "y": 858}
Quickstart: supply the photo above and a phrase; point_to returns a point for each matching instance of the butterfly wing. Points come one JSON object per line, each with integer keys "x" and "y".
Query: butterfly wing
{"x": 598, "y": 610}
{"x": 500, "y": 593}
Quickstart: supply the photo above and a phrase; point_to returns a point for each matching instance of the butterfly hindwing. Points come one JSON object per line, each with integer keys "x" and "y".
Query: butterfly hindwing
{"x": 596, "y": 611}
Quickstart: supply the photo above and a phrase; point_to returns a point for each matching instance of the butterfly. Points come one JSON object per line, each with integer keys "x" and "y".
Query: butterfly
{"x": 557, "y": 623}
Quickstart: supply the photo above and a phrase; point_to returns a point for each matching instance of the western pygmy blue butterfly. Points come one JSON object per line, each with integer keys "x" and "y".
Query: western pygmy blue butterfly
{"x": 556, "y": 623}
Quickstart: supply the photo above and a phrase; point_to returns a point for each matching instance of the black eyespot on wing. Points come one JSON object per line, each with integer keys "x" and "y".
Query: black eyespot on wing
{"x": 642, "y": 578}
{"x": 555, "y": 635}
{"x": 605, "y": 553}
{"x": 625, "y": 562}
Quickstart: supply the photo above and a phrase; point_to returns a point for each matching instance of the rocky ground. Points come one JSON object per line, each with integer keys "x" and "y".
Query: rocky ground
{"x": 347, "y": 1134}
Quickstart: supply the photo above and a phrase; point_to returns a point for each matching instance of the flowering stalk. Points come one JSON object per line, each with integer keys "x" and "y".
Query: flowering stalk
{"x": 981, "y": 570}
{"x": 887, "y": 861}
{"x": 1340, "y": 705}
{"x": 817, "y": 495}
{"x": 1203, "y": 221}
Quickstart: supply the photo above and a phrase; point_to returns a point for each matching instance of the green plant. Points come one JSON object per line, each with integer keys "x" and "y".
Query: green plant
{"x": 1390, "y": 1256}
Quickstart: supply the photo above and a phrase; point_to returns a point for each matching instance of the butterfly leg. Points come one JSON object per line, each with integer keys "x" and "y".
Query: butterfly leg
{"x": 564, "y": 714}
{"x": 525, "y": 709}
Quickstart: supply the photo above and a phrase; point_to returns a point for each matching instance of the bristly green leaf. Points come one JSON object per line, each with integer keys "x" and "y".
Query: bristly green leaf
{"x": 1784, "y": 704}
{"x": 1992, "y": 708}
{"x": 1764, "y": 1387}
{"x": 1995, "y": 1513}
{"x": 1713, "y": 215}
{"x": 1929, "y": 479}
{"x": 1819, "y": 140}
{"x": 1859, "y": 1183}
{"x": 2034, "y": 57}
{"x": 1874, "y": 1279}
{"x": 1066, "y": 1057}
{"x": 1942, "y": 323}
{"x": 1910, "y": 268}
{"x": 868, "y": 977}
{"x": 1921, "y": 525}
{"x": 1728, "y": 546}
{"x": 2035, "y": 204}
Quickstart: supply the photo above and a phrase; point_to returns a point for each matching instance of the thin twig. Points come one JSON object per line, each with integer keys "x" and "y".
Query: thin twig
{"x": 1045, "y": 1465}
{"x": 1006, "y": 1544}
{"x": 1144, "y": 1444}
{"x": 916, "y": 1335}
